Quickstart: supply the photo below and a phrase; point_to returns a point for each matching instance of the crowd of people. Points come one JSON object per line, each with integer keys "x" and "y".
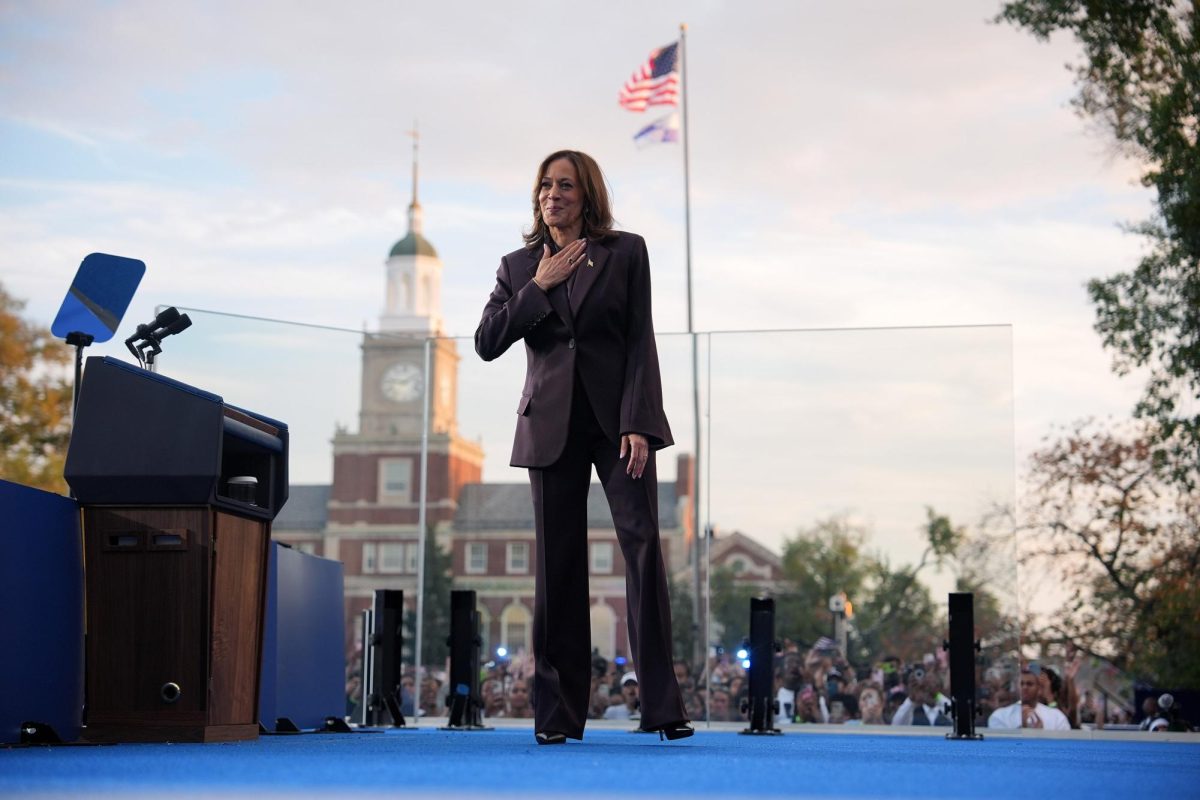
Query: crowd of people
{"x": 811, "y": 686}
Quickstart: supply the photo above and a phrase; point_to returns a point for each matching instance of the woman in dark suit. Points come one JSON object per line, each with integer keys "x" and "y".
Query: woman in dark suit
{"x": 578, "y": 293}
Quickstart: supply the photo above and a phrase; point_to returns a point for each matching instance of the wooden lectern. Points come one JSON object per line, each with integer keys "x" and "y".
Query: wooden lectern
{"x": 176, "y": 558}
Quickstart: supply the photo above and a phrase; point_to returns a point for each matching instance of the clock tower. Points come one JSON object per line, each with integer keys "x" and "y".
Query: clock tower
{"x": 374, "y": 500}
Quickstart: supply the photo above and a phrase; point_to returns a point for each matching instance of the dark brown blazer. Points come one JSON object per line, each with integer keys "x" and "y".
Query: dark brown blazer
{"x": 602, "y": 329}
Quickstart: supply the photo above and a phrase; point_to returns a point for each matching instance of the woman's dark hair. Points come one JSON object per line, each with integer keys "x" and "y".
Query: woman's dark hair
{"x": 597, "y": 210}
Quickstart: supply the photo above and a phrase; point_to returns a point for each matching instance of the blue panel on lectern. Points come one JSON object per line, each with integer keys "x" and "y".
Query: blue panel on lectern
{"x": 41, "y": 612}
{"x": 303, "y": 672}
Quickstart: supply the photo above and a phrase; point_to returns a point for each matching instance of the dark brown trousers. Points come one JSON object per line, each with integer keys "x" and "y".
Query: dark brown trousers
{"x": 561, "y": 605}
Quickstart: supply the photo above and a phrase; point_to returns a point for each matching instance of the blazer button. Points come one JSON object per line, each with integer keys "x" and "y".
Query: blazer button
{"x": 571, "y": 344}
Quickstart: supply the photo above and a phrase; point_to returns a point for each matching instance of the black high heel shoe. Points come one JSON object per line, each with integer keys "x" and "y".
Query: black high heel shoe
{"x": 550, "y": 738}
{"x": 674, "y": 730}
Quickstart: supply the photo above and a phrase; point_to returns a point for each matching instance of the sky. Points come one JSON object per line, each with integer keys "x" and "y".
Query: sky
{"x": 903, "y": 185}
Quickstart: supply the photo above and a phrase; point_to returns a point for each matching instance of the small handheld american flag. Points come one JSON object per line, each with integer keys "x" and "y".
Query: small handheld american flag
{"x": 655, "y": 83}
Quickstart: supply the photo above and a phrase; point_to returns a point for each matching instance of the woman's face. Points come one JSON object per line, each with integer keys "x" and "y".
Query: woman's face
{"x": 560, "y": 197}
{"x": 870, "y": 703}
{"x": 518, "y": 696}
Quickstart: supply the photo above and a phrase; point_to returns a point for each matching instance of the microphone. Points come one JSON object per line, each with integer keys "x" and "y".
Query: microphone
{"x": 181, "y": 323}
{"x": 146, "y": 330}
{"x": 164, "y": 318}
{"x": 167, "y": 322}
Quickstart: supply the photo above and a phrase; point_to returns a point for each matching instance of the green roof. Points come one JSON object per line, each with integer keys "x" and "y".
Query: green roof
{"x": 414, "y": 244}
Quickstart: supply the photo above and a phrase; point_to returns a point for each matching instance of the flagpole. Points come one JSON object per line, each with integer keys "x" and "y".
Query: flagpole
{"x": 699, "y": 648}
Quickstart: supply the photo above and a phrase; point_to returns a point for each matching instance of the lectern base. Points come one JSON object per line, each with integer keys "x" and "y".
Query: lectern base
{"x": 174, "y": 609}
{"x": 110, "y": 734}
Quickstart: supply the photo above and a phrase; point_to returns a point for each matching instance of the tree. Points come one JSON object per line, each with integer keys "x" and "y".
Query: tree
{"x": 1141, "y": 81}
{"x": 818, "y": 563}
{"x": 683, "y": 622}
{"x": 729, "y": 607}
{"x": 894, "y": 612}
{"x": 1126, "y": 545}
{"x": 436, "y": 627}
{"x": 35, "y": 401}
{"x": 987, "y": 568}
{"x": 898, "y": 616}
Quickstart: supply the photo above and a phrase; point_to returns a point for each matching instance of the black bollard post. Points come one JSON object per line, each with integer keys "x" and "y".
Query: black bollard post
{"x": 387, "y": 644}
{"x": 762, "y": 705}
{"x": 466, "y": 706}
{"x": 962, "y": 647}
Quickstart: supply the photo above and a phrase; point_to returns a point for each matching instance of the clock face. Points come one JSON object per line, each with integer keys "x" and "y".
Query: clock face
{"x": 402, "y": 383}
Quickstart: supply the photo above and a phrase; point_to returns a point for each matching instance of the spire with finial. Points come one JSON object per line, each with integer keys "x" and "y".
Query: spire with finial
{"x": 414, "y": 242}
{"x": 414, "y": 208}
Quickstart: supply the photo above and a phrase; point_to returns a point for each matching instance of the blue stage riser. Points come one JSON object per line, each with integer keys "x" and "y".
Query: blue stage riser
{"x": 41, "y": 612}
{"x": 303, "y": 672}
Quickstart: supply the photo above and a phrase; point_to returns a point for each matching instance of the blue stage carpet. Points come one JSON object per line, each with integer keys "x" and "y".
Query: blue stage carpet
{"x": 613, "y": 763}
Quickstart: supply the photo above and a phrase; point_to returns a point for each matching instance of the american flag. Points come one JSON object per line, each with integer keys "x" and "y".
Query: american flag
{"x": 655, "y": 83}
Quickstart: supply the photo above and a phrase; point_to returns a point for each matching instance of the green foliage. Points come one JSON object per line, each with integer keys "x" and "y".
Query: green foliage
{"x": 35, "y": 401}
{"x": 1141, "y": 81}
{"x": 1126, "y": 544}
{"x": 729, "y": 607}
{"x": 893, "y": 611}
{"x": 944, "y": 539}
{"x": 817, "y": 564}
{"x": 436, "y": 627}
{"x": 897, "y": 617}
{"x": 683, "y": 621}
{"x": 986, "y": 565}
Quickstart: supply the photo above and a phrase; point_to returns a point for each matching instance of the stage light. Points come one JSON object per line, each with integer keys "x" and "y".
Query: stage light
{"x": 743, "y": 653}
{"x": 501, "y": 652}
{"x": 745, "y": 663}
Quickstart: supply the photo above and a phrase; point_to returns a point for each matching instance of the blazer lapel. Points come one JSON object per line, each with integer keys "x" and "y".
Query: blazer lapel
{"x": 587, "y": 272}
{"x": 557, "y": 296}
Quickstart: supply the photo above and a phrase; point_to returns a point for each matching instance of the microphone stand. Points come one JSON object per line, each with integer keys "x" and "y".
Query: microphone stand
{"x": 78, "y": 340}
{"x": 151, "y": 344}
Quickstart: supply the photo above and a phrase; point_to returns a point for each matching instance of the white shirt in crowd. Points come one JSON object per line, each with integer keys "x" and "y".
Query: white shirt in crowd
{"x": 1011, "y": 717}
{"x": 904, "y": 714}
{"x": 787, "y": 707}
{"x": 621, "y": 712}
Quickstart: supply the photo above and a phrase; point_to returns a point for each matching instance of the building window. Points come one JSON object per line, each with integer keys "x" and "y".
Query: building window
{"x": 515, "y": 628}
{"x": 395, "y": 479}
{"x": 476, "y": 558}
{"x": 391, "y": 556}
{"x": 518, "y": 558}
{"x": 738, "y": 566}
{"x": 368, "y": 558}
{"x": 602, "y": 558}
{"x": 412, "y": 552}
